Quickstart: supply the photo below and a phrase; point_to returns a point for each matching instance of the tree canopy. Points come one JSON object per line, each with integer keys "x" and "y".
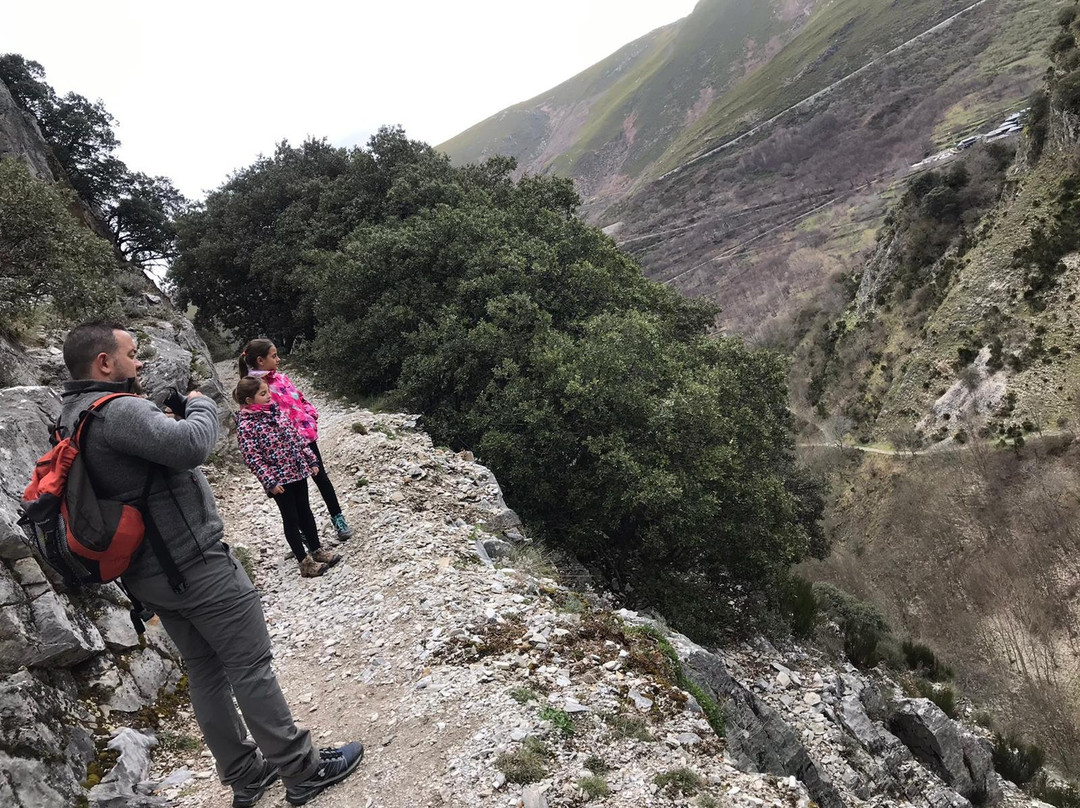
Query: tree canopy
{"x": 46, "y": 255}
{"x": 138, "y": 209}
{"x": 618, "y": 428}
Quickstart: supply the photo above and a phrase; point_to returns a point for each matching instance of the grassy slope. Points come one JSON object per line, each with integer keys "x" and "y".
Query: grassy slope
{"x": 521, "y": 129}
{"x": 839, "y": 38}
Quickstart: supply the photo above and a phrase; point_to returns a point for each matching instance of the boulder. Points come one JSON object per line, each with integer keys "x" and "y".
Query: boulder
{"x": 117, "y": 788}
{"x": 17, "y": 645}
{"x": 21, "y": 138}
{"x": 26, "y": 417}
{"x": 46, "y": 750}
{"x": 758, "y": 739}
{"x": 979, "y": 759}
{"x": 114, "y": 624}
{"x": 25, "y": 781}
{"x": 10, "y": 591}
{"x": 64, "y": 635}
{"x": 934, "y": 739}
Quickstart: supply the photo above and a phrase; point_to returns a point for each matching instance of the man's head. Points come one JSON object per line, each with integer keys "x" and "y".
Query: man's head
{"x": 101, "y": 351}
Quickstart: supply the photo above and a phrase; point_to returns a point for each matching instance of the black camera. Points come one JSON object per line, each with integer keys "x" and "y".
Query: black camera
{"x": 175, "y": 402}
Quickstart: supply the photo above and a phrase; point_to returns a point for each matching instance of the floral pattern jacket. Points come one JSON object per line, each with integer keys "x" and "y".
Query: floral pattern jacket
{"x": 271, "y": 446}
{"x": 292, "y": 402}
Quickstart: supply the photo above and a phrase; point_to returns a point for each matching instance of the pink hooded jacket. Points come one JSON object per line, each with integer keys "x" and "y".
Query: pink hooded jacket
{"x": 301, "y": 412}
{"x": 271, "y": 446}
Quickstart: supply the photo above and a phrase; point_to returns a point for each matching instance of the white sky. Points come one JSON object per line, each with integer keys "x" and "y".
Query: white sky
{"x": 200, "y": 89}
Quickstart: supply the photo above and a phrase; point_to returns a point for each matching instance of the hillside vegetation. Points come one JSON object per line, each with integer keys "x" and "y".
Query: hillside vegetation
{"x": 661, "y": 457}
{"x": 960, "y": 340}
{"x": 762, "y": 226}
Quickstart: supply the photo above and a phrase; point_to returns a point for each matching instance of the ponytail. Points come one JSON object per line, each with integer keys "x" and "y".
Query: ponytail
{"x": 254, "y": 351}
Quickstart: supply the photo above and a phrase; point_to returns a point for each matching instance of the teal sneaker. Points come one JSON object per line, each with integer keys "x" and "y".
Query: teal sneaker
{"x": 344, "y": 532}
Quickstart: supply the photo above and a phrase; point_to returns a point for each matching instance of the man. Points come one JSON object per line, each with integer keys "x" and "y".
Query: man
{"x": 204, "y": 599}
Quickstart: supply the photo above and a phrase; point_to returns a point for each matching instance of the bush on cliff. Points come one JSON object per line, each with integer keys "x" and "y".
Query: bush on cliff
{"x": 662, "y": 457}
{"x": 46, "y": 256}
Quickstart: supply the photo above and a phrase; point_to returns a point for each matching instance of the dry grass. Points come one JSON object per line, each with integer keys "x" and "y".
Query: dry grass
{"x": 978, "y": 552}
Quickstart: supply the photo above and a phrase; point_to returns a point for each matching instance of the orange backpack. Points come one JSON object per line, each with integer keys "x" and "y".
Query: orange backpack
{"x": 86, "y": 539}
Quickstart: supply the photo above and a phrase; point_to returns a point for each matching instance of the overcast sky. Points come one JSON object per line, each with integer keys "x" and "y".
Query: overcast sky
{"x": 200, "y": 89}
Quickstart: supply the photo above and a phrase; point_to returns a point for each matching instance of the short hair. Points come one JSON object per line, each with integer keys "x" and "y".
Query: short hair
{"x": 85, "y": 341}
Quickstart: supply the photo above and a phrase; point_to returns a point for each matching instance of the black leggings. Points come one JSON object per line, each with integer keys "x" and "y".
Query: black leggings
{"x": 326, "y": 488}
{"x": 298, "y": 519}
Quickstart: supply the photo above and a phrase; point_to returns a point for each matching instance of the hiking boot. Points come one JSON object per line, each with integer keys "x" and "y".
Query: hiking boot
{"x": 335, "y": 765}
{"x": 344, "y": 532}
{"x": 327, "y": 557}
{"x": 246, "y": 796}
{"x": 310, "y": 568}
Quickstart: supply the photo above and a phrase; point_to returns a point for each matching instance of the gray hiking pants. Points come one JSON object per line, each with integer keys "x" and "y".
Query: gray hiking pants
{"x": 217, "y": 624}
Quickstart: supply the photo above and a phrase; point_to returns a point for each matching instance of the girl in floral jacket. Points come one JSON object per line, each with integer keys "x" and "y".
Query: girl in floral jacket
{"x": 282, "y": 461}
{"x": 260, "y": 359}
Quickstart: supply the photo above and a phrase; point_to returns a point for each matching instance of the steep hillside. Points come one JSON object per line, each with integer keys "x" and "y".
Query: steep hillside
{"x": 961, "y": 338}
{"x": 773, "y": 175}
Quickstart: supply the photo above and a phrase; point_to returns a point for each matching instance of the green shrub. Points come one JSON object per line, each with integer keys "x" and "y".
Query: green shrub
{"x": 528, "y": 764}
{"x": 596, "y": 765}
{"x": 1065, "y": 15}
{"x": 1015, "y": 760}
{"x": 1067, "y": 92}
{"x": 523, "y": 695}
{"x": 801, "y": 606}
{"x": 560, "y": 719}
{"x": 47, "y": 256}
{"x": 615, "y": 423}
{"x": 682, "y": 781}
{"x": 628, "y": 726}
{"x": 247, "y": 561}
{"x": 942, "y": 695}
{"x": 594, "y": 786}
{"x": 922, "y": 659}
{"x": 862, "y": 625}
{"x": 359, "y": 428}
{"x": 1063, "y": 42}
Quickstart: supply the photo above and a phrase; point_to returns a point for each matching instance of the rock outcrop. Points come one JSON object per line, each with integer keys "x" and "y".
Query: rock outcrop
{"x": 21, "y": 138}
{"x": 57, "y": 647}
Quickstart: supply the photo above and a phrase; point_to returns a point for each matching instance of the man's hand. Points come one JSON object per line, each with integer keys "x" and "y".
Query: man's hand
{"x": 314, "y": 471}
{"x": 277, "y": 490}
{"x": 195, "y": 394}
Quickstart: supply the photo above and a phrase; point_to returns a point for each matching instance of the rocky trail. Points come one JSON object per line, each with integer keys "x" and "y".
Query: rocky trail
{"x": 444, "y": 642}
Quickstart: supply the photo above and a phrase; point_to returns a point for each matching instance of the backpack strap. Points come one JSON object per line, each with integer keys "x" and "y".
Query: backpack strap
{"x": 157, "y": 544}
{"x": 152, "y": 535}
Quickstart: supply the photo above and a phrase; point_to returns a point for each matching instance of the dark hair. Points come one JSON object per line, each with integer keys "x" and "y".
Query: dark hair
{"x": 246, "y": 388}
{"x": 85, "y": 342}
{"x": 254, "y": 351}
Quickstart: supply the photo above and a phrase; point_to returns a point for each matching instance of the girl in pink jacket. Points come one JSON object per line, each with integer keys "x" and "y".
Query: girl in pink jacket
{"x": 260, "y": 359}
{"x": 282, "y": 461}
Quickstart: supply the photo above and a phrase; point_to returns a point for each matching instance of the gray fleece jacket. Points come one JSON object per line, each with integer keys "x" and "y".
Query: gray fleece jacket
{"x": 126, "y": 437}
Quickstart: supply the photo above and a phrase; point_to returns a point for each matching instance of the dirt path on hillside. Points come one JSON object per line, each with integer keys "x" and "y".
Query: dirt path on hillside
{"x": 349, "y": 646}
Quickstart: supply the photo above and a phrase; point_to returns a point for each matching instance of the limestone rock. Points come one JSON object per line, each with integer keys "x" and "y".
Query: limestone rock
{"x": 934, "y": 740}
{"x": 65, "y": 636}
{"x": 21, "y": 138}
{"x": 26, "y": 415}
{"x": 117, "y": 788}
{"x": 114, "y": 624}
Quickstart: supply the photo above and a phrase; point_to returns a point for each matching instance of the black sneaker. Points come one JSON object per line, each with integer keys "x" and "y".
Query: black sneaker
{"x": 336, "y": 765}
{"x": 250, "y": 794}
